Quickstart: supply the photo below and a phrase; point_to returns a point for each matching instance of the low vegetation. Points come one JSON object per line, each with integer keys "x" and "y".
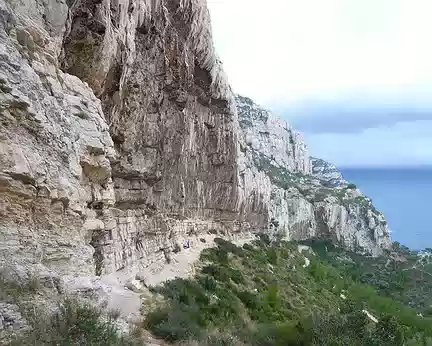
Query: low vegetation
{"x": 75, "y": 323}
{"x": 269, "y": 292}
{"x": 265, "y": 294}
{"x": 403, "y": 275}
{"x": 279, "y": 176}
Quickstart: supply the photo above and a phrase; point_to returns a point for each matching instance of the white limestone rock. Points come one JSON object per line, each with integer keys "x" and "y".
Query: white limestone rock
{"x": 119, "y": 138}
{"x": 134, "y": 285}
{"x": 12, "y": 323}
{"x": 327, "y": 173}
{"x": 298, "y": 198}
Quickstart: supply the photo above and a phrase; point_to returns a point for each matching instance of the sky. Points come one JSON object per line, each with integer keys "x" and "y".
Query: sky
{"x": 354, "y": 76}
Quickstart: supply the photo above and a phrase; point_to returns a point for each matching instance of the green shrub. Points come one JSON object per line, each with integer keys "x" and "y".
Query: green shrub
{"x": 264, "y": 239}
{"x": 216, "y": 255}
{"x": 219, "y": 272}
{"x": 177, "y": 322}
{"x": 208, "y": 283}
{"x": 288, "y": 333}
{"x": 228, "y": 246}
{"x": 254, "y": 296}
{"x": 272, "y": 256}
{"x": 75, "y": 323}
{"x": 389, "y": 331}
{"x": 249, "y": 299}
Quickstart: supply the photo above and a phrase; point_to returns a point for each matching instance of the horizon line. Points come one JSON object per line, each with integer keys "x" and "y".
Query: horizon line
{"x": 406, "y": 166}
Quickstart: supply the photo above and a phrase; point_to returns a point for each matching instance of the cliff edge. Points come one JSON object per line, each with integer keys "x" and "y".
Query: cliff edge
{"x": 120, "y": 141}
{"x": 303, "y": 197}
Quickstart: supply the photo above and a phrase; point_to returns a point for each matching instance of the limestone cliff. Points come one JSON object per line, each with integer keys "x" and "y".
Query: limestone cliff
{"x": 118, "y": 136}
{"x": 300, "y": 195}
{"x": 119, "y": 140}
{"x": 327, "y": 173}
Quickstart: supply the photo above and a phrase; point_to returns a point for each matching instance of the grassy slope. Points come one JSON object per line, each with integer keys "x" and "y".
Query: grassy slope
{"x": 261, "y": 295}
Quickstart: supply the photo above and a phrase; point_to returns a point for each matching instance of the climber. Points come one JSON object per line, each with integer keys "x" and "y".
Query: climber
{"x": 188, "y": 245}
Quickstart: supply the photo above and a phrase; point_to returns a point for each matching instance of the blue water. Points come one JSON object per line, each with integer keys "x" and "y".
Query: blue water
{"x": 404, "y": 196}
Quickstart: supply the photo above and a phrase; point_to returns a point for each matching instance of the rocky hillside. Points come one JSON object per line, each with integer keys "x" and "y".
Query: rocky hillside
{"x": 304, "y": 198}
{"x": 289, "y": 293}
{"x": 120, "y": 141}
{"x": 327, "y": 172}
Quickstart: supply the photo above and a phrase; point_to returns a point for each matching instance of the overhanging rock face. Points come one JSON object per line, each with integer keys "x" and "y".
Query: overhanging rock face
{"x": 172, "y": 121}
{"x": 119, "y": 140}
{"x": 118, "y": 134}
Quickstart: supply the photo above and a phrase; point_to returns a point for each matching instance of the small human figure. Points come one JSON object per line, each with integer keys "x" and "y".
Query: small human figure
{"x": 188, "y": 244}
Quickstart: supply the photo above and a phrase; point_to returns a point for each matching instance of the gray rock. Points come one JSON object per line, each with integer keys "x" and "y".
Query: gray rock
{"x": 143, "y": 278}
{"x": 327, "y": 173}
{"x": 116, "y": 142}
{"x": 290, "y": 195}
{"x": 120, "y": 136}
{"x": 134, "y": 285}
{"x": 11, "y": 322}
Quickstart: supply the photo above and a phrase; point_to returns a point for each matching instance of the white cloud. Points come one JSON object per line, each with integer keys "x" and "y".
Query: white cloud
{"x": 368, "y": 57}
{"x": 291, "y": 50}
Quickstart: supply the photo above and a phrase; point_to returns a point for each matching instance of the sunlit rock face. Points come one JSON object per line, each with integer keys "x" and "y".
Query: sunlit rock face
{"x": 327, "y": 172}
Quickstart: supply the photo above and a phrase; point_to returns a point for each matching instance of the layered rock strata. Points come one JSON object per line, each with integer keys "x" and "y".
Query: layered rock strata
{"x": 120, "y": 141}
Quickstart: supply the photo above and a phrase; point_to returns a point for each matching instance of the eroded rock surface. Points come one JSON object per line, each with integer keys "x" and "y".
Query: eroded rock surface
{"x": 12, "y": 322}
{"x": 328, "y": 173}
{"x": 118, "y": 134}
{"x": 302, "y": 198}
{"x": 120, "y": 141}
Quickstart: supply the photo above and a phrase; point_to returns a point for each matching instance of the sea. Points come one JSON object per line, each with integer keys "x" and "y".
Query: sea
{"x": 404, "y": 195}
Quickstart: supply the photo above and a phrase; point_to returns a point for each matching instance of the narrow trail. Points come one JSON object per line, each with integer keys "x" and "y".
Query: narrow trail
{"x": 182, "y": 265}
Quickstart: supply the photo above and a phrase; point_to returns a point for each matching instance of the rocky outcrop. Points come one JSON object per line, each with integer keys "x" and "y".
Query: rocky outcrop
{"x": 118, "y": 137}
{"x": 302, "y": 198}
{"x": 119, "y": 140}
{"x": 273, "y": 138}
{"x": 327, "y": 173}
{"x": 11, "y": 322}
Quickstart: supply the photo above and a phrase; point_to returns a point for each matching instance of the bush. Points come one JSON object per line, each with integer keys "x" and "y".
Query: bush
{"x": 208, "y": 283}
{"x": 249, "y": 299}
{"x": 177, "y": 322}
{"x": 236, "y": 299}
{"x": 272, "y": 256}
{"x": 216, "y": 255}
{"x": 288, "y": 333}
{"x": 220, "y": 273}
{"x": 74, "y": 324}
{"x": 248, "y": 247}
{"x": 389, "y": 331}
{"x": 352, "y": 186}
{"x": 264, "y": 239}
{"x": 228, "y": 246}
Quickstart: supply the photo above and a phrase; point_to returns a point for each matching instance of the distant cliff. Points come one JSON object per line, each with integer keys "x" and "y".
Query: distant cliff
{"x": 327, "y": 173}
{"x": 304, "y": 197}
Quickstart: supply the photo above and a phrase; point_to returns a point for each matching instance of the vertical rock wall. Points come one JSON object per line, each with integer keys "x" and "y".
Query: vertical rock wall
{"x": 119, "y": 140}
{"x": 118, "y": 134}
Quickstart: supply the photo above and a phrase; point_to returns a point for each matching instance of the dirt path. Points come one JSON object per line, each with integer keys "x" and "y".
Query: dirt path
{"x": 182, "y": 265}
